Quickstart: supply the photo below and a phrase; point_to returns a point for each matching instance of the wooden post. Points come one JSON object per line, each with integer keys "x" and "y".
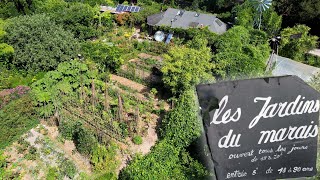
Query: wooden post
{"x": 120, "y": 107}
{"x": 106, "y": 97}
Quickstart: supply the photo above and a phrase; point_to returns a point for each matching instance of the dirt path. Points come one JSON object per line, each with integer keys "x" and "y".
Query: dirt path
{"x": 131, "y": 84}
{"x": 147, "y": 56}
{"x": 68, "y": 148}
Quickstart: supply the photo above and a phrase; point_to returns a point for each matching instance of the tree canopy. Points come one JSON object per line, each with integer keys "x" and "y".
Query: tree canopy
{"x": 184, "y": 67}
{"x": 39, "y": 43}
{"x": 241, "y": 52}
{"x": 296, "y": 42}
{"x": 108, "y": 56}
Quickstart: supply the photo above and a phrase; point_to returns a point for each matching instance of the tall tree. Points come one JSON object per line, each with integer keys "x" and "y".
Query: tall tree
{"x": 300, "y": 11}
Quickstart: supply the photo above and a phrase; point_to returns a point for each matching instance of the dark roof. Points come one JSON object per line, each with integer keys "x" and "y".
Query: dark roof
{"x": 176, "y": 18}
{"x": 286, "y": 66}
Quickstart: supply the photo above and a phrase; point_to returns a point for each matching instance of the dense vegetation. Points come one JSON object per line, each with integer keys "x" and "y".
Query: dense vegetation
{"x": 39, "y": 44}
{"x": 17, "y": 117}
{"x": 67, "y": 52}
{"x": 169, "y": 159}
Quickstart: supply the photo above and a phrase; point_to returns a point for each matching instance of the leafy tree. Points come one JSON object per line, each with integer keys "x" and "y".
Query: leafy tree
{"x": 10, "y": 8}
{"x": 94, "y": 2}
{"x": 296, "y": 47}
{"x": 246, "y": 15}
{"x": 50, "y": 6}
{"x": 271, "y": 22}
{"x": 6, "y": 51}
{"x": 79, "y": 18}
{"x": 184, "y": 67}
{"x": 241, "y": 52}
{"x": 141, "y": 16}
{"x": 300, "y": 11}
{"x": 108, "y": 56}
{"x": 39, "y": 43}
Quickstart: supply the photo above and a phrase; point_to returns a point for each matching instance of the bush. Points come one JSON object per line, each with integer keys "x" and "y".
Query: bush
{"x": 107, "y": 56}
{"x": 104, "y": 158}
{"x": 39, "y": 43}
{"x": 296, "y": 47}
{"x": 84, "y": 140}
{"x": 241, "y": 52}
{"x": 168, "y": 158}
{"x": 32, "y": 154}
{"x": 17, "y": 117}
{"x": 52, "y": 174}
{"x": 67, "y": 168}
{"x": 79, "y": 18}
{"x": 137, "y": 140}
{"x": 124, "y": 18}
{"x": 12, "y": 77}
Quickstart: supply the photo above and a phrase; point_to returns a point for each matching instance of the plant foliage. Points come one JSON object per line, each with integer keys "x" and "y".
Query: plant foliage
{"x": 296, "y": 42}
{"x": 17, "y": 117}
{"x": 39, "y": 43}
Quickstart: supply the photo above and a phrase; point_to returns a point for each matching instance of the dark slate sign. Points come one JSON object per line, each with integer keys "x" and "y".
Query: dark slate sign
{"x": 261, "y": 128}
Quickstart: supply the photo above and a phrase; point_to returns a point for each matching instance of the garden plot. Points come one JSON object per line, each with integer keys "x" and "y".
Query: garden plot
{"x": 144, "y": 69}
{"x": 38, "y": 151}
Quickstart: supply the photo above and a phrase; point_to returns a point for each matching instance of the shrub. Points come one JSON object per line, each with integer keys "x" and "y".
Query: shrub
{"x": 79, "y": 19}
{"x": 67, "y": 168}
{"x": 296, "y": 47}
{"x": 123, "y": 18}
{"x": 137, "y": 140}
{"x": 52, "y": 174}
{"x": 17, "y": 117}
{"x": 168, "y": 158}
{"x": 39, "y": 43}
{"x": 104, "y": 159}
{"x": 107, "y": 56}
{"x": 84, "y": 140}
{"x": 32, "y": 154}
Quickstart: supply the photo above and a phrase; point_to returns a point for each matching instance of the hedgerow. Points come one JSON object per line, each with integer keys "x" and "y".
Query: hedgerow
{"x": 168, "y": 158}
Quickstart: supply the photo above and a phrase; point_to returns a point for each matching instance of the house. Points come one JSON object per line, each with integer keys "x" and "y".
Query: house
{"x": 176, "y": 18}
{"x": 286, "y": 66}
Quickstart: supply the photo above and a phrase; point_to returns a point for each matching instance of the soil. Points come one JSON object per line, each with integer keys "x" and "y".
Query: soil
{"x": 147, "y": 56}
{"x": 131, "y": 84}
{"x": 69, "y": 149}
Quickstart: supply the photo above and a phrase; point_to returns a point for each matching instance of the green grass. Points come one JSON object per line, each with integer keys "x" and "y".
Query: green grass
{"x": 17, "y": 118}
